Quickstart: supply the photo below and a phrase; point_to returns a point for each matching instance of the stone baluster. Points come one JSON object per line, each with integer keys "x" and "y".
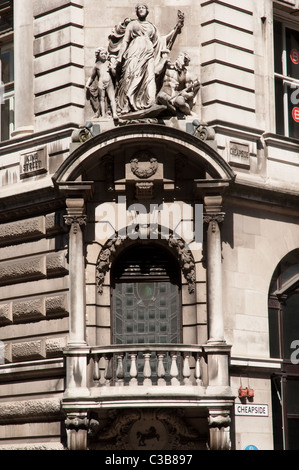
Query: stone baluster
{"x": 174, "y": 372}
{"x": 197, "y": 370}
{"x": 186, "y": 369}
{"x": 147, "y": 372}
{"x": 108, "y": 369}
{"x": 161, "y": 370}
{"x": 133, "y": 370}
{"x": 120, "y": 370}
{"x": 96, "y": 369}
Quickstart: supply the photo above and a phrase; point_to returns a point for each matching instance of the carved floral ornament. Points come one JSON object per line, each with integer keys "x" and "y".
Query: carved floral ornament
{"x": 177, "y": 245}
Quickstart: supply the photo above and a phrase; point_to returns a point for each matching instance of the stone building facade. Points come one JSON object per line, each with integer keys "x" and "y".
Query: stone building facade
{"x": 149, "y": 224}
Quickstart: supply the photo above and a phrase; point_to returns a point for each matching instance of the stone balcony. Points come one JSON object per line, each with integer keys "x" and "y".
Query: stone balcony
{"x": 172, "y": 375}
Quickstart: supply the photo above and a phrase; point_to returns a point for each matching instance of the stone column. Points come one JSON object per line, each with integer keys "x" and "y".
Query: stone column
{"x": 23, "y": 53}
{"x": 213, "y": 217}
{"x": 216, "y": 348}
{"x": 76, "y": 219}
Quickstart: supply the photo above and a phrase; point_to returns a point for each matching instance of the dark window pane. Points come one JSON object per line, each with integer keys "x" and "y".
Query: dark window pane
{"x": 290, "y": 323}
{"x": 278, "y": 47}
{"x": 292, "y": 397}
{"x": 274, "y": 332}
{"x": 277, "y": 414}
{"x": 150, "y": 315}
{"x": 7, "y": 64}
{"x": 293, "y": 434}
{"x": 292, "y": 50}
{"x": 293, "y": 103}
{"x": 279, "y": 109}
{"x": 289, "y": 272}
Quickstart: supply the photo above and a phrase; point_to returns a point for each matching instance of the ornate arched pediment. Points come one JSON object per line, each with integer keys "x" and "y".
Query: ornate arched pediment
{"x": 94, "y": 150}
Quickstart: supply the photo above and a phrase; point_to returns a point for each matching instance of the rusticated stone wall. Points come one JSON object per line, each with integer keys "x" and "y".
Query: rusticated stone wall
{"x": 34, "y": 310}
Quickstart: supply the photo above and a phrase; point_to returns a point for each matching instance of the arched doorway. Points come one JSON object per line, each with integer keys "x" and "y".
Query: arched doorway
{"x": 284, "y": 344}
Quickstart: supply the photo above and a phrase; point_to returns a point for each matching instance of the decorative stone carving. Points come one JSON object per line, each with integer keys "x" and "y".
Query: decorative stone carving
{"x": 81, "y": 135}
{"x": 75, "y": 221}
{"x": 183, "y": 255}
{"x": 178, "y": 90}
{"x": 77, "y": 428}
{"x": 105, "y": 86}
{"x": 129, "y": 70}
{"x": 76, "y": 422}
{"x": 214, "y": 219}
{"x": 219, "y": 426}
{"x": 144, "y": 190}
{"x": 146, "y": 430}
{"x": 142, "y": 170}
{"x": 139, "y": 61}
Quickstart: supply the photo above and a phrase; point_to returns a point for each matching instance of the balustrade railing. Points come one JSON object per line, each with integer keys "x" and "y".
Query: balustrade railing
{"x": 147, "y": 364}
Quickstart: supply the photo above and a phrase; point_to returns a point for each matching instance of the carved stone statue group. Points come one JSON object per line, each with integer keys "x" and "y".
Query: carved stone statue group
{"x": 133, "y": 76}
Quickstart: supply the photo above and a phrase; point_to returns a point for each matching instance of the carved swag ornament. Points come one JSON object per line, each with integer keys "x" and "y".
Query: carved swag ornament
{"x": 143, "y": 170}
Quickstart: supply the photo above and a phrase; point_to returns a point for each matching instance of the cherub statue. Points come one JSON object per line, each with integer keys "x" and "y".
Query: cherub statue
{"x": 105, "y": 87}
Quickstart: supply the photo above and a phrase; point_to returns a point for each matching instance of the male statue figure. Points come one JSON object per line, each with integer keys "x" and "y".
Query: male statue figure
{"x": 178, "y": 89}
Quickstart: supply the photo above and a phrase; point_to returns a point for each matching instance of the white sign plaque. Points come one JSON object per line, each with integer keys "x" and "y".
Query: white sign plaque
{"x": 251, "y": 410}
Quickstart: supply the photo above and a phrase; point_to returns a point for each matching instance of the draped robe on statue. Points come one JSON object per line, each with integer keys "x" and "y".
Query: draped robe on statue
{"x": 140, "y": 56}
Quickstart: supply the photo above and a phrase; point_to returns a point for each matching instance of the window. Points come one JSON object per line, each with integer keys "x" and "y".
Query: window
{"x": 284, "y": 344}
{"x": 286, "y": 60}
{"x": 6, "y": 69}
{"x": 146, "y": 305}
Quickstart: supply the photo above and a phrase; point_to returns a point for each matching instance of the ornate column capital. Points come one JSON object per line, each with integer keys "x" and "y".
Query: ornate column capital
{"x": 213, "y": 211}
{"x": 75, "y": 221}
{"x": 213, "y": 219}
{"x": 75, "y": 217}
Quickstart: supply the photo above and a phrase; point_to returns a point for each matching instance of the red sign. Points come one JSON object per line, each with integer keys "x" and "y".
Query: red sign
{"x": 295, "y": 114}
{"x": 295, "y": 56}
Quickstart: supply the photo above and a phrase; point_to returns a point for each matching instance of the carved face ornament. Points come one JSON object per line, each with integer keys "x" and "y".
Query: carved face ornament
{"x": 142, "y": 10}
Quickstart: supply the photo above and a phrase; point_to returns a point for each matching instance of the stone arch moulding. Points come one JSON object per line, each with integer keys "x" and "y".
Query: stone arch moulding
{"x": 115, "y": 245}
{"x": 94, "y": 149}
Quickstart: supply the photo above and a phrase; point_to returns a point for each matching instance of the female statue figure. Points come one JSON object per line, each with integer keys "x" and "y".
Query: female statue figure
{"x": 139, "y": 61}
